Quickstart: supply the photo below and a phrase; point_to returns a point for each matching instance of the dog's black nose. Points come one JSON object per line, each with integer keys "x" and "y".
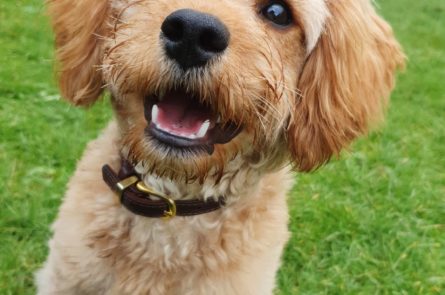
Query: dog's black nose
{"x": 192, "y": 38}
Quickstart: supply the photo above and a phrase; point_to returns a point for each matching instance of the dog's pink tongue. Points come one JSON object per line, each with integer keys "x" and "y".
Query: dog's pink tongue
{"x": 181, "y": 115}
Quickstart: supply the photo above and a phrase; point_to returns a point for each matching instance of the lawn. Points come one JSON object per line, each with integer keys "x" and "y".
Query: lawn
{"x": 372, "y": 222}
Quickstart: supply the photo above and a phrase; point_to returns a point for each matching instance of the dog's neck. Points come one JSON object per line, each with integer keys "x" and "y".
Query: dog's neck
{"x": 239, "y": 179}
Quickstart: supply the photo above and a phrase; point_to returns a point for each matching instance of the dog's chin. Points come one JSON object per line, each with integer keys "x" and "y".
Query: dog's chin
{"x": 180, "y": 123}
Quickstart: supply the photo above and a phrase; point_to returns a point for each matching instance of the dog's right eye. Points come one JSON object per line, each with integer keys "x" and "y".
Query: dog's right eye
{"x": 277, "y": 12}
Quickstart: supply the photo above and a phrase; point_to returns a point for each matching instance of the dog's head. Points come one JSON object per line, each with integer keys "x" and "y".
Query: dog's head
{"x": 197, "y": 83}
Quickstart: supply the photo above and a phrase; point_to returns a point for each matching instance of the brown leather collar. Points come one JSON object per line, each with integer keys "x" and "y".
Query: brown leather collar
{"x": 136, "y": 196}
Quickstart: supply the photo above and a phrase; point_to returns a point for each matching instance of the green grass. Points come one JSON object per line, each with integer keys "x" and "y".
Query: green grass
{"x": 372, "y": 222}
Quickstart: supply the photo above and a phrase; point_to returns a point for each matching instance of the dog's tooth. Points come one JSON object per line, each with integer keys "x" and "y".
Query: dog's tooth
{"x": 154, "y": 114}
{"x": 203, "y": 130}
{"x": 218, "y": 120}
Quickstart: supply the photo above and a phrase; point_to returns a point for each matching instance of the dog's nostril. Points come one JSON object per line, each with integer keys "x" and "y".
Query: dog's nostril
{"x": 173, "y": 30}
{"x": 213, "y": 41}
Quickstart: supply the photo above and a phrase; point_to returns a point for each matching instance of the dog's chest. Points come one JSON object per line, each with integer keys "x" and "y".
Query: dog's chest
{"x": 142, "y": 252}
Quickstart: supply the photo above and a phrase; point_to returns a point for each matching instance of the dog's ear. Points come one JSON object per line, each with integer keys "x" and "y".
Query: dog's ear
{"x": 78, "y": 26}
{"x": 344, "y": 84}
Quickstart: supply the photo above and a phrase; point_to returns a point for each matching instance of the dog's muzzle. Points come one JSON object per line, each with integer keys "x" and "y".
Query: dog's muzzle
{"x": 192, "y": 38}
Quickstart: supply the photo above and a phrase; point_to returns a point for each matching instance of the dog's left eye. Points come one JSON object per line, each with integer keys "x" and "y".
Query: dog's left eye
{"x": 278, "y": 13}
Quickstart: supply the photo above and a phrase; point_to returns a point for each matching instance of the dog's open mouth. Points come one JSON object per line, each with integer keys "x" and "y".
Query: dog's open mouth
{"x": 181, "y": 120}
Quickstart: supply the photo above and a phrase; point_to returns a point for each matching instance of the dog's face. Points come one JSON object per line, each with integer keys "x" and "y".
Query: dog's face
{"x": 210, "y": 76}
{"x": 196, "y": 83}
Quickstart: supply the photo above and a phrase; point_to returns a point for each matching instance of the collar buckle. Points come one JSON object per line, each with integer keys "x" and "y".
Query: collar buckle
{"x": 122, "y": 185}
{"x": 171, "y": 212}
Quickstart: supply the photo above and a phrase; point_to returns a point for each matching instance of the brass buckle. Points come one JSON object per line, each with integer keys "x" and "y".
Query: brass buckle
{"x": 171, "y": 203}
{"x": 124, "y": 184}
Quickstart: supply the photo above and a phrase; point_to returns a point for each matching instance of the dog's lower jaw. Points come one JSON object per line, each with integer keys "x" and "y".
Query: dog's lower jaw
{"x": 99, "y": 247}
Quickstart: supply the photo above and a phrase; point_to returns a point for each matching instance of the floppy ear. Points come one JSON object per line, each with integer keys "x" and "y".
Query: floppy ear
{"x": 345, "y": 83}
{"x": 78, "y": 25}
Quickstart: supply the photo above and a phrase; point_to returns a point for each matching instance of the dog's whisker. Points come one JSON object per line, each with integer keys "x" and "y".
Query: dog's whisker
{"x": 279, "y": 84}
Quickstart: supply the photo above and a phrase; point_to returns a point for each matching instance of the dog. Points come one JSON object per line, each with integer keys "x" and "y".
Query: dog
{"x": 215, "y": 103}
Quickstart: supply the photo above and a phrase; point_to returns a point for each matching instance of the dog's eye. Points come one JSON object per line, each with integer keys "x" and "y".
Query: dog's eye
{"x": 278, "y": 13}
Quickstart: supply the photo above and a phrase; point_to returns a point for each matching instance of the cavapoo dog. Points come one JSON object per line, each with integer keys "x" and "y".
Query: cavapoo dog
{"x": 185, "y": 190}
